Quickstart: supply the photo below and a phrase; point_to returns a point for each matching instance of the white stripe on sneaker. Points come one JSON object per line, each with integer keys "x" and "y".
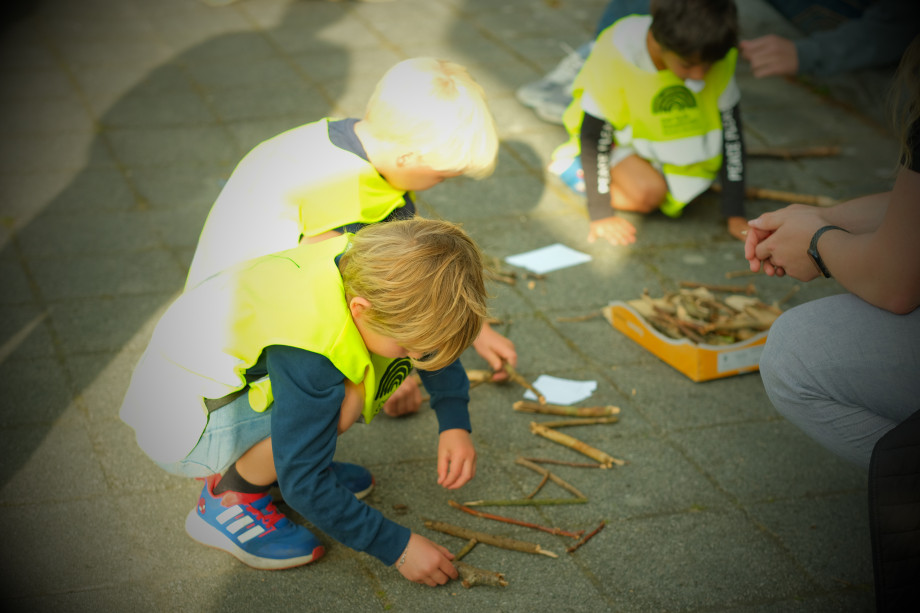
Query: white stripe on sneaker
{"x": 239, "y": 524}
{"x": 250, "y": 534}
{"x": 229, "y": 514}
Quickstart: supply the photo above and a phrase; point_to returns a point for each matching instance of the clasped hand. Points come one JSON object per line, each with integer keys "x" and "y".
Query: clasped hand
{"x": 778, "y": 242}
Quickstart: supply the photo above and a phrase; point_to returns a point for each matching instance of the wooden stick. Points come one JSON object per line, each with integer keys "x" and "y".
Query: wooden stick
{"x": 516, "y": 522}
{"x": 748, "y": 289}
{"x": 761, "y": 193}
{"x": 525, "y": 502}
{"x": 573, "y": 443}
{"x": 555, "y": 409}
{"x": 565, "y": 463}
{"x": 788, "y": 153}
{"x": 584, "y": 421}
{"x": 587, "y": 538}
{"x": 489, "y": 539}
{"x": 539, "y": 487}
{"x": 471, "y": 575}
{"x": 585, "y": 317}
{"x": 554, "y": 478}
{"x": 495, "y": 276}
{"x": 465, "y": 550}
{"x": 517, "y": 378}
{"x": 734, "y": 274}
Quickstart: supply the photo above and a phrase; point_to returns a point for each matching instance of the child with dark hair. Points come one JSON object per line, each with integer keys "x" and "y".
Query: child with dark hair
{"x": 655, "y": 117}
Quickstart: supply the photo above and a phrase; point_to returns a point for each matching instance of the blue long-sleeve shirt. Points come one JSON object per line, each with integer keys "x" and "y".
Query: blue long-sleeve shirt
{"x": 308, "y": 392}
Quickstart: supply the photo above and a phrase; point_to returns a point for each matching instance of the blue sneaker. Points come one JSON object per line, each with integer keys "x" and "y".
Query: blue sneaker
{"x": 571, "y": 173}
{"x": 251, "y": 528}
{"x": 356, "y": 478}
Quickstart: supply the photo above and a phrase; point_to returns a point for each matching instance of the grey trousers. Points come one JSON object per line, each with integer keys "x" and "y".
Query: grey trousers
{"x": 843, "y": 371}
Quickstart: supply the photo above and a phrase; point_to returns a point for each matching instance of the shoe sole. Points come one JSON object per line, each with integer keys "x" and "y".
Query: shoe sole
{"x": 203, "y": 532}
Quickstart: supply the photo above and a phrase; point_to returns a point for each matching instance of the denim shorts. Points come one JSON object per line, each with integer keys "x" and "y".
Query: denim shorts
{"x": 231, "y": 431}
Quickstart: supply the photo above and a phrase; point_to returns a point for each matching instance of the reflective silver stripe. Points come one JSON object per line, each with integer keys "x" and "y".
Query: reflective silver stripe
{"x": 679, "y": 152}
{"x": 685, "y": 188}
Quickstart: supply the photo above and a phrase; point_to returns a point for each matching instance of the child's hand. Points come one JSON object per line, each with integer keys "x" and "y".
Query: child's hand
{"x": 496, "y": 350}
{"x": 614, "y": 229}
{"x": 427, "y": 562}
{"x": 738, "y": 227}
{"x": 456, "y": 458}
{"x": 406, "y": 399}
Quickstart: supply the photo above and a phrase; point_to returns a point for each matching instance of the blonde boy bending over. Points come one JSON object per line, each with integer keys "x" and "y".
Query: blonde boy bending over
{"x": 335, "y": 326}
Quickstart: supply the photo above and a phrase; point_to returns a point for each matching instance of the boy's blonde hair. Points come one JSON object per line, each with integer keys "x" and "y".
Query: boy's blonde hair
{"x": 434, "y": 108}
{"x": 424, "y": 281}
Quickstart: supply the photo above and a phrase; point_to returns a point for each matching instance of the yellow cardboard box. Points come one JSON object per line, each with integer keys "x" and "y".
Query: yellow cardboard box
{"x": 697, "y": 361}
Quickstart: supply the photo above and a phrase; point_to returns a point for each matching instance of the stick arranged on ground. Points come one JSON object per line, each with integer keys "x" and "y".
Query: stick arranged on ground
{"x": 763, "y": 193}
{"x": 552, "y": 477}
{"x": 489, "y": 539}
{"x": 517, "y": 378}
{"x": 470, "y": 576}
{"x": 555, "y": 409}
{"x": 587, "y": 538}
{"x": 582, "y": 421}
{"x": 789, "y": 153}
{"x": 525, "y": 502}
{"x": 565, "y": 463}
{"x": 465, "y": 550}
{"x": 516, "y": 522}
{"x": 573, "y": 443}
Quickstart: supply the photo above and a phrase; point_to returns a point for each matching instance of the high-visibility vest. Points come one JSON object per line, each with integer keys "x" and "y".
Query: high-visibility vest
{"x": 675, "y": 129}
{"x": 213, "y": 333}
{"x": 296, "y": 183}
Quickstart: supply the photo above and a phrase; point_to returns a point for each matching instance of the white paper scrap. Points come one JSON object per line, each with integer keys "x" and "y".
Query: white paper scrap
{"x": 561, "y": 391}
{"x": 548, "y": 259}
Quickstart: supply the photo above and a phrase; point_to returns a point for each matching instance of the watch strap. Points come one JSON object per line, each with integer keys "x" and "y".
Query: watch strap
{"x": 813, "y": 249}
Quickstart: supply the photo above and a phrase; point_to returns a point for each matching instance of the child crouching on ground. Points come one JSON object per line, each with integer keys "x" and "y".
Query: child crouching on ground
{"x": 655, "y": 117}
{"x": 251, "y": 375}
{"x": 426, "y": 121}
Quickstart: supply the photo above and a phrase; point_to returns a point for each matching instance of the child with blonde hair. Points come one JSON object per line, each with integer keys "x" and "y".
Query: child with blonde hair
{"x": 251, "y": 375}
{"x": 426, "y": 121}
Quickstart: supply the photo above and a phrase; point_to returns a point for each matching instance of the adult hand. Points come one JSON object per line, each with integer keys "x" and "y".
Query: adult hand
{"x": 738, "y": 227}
{"x": 406, "y": 399}
{"x": 456, "y": 458}
{"x": 615, "y": 230}
{"x": 427, "y": 562}
{"x": 496, "y": 350}
{"x": 770, "y": 55}
{"x": 786, "y": 235}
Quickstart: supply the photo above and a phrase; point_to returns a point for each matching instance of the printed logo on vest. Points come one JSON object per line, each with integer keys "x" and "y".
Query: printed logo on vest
{"x": 673, "y": 98}
{"x": 394, "y": 375}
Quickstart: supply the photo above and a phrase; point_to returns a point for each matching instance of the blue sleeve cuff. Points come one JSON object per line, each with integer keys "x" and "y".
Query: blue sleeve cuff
{"x": 450, "y": 396}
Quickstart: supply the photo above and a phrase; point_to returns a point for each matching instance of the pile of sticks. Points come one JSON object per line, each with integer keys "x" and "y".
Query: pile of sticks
{"x": 698, "y": 315}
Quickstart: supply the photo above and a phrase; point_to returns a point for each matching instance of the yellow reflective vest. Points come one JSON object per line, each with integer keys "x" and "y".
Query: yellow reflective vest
{"x": 212, "y": 334}
{"x": 654, "y": 113}
{"x": 295, "y": 184}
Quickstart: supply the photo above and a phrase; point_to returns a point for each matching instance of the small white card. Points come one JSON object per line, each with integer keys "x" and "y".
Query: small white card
{"x": 561, "y": 391}
{"x": 548, "y": 259}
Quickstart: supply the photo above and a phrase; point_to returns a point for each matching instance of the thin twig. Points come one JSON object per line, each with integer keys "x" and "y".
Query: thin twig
{"x": 516, "y": 522}
{"x": 489, "y": 539}
{"x": 565, "y": 463}
{"x": 539, "y": 487}
{"x": 554, "y": 478}
{"x": 525, "y": 502}
{"x": 583, "y": 421}
{"x": 573, "y": 443}
{"x": 587, "y": 537}
{"x": 578, "y": 318}
{"x": 465, "y": 550}
{"x": 517, "y": 378}
{"x": 555, "y": 409}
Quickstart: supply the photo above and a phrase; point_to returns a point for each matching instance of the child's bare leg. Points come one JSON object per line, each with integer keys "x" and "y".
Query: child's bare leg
{"x": 636, "y": 186}
{"x": 257, "y": 466}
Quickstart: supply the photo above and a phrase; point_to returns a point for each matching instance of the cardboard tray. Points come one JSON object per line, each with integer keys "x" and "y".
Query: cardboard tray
{"x": 699, "y": 362}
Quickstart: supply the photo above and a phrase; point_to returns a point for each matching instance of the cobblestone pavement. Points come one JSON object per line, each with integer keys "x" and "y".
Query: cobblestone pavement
{"x": 121, "y": 119}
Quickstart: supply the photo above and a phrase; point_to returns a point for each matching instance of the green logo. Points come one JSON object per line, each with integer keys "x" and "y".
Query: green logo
{"x": 393, "y": 377}
{"x": 673, "y": 98}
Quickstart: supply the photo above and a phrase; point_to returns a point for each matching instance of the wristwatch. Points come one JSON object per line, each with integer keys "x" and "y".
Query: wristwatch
{"x": 813, "y": 249}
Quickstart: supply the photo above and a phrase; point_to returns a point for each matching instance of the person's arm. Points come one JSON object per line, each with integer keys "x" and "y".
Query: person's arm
{"x": 308, "y": 392}
{"x": 881, "y": 266}
{"x": 450, "y": 396}
{"x": 731, "y": 174}
{"x": 877, "y": 38}
{"x": 596, "y": 147}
